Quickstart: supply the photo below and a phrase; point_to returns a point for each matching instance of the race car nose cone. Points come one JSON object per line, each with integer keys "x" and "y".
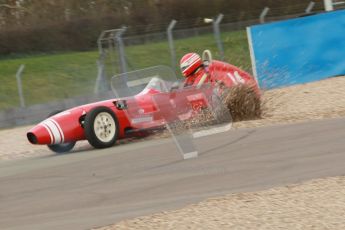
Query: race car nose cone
{"x": 39, "y": 135}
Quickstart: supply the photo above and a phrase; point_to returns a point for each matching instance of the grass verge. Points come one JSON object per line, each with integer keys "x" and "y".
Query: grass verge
{"x": 57, "y": 76}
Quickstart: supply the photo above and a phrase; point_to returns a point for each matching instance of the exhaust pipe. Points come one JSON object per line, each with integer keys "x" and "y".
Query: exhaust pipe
{"x": 32, "y": 138}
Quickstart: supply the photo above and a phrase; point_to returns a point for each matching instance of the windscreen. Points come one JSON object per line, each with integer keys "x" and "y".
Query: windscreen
{"x": 155, "y": 99}
{"x": 159, "y": 78}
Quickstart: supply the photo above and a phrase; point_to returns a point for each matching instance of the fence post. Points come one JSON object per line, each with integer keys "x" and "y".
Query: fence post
{"x": 310, "y": 7}
{"x": 101, "y": 82}
{"x": 114, "y": 40}
{"x": 122, "y": 55}
{"x": 328, "y": 5}
{"x": 99, "y": 42}
{"x": 19, "y": 84}
{"x": 216, "y": 31}
{"x": 171, "y": 44}
{"x": 263, "y": 14}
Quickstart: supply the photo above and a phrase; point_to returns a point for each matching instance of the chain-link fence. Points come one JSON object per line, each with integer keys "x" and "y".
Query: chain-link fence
{"x": 59, "y": 76}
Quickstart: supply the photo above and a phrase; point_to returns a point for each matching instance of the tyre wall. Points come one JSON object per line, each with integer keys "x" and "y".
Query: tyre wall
{"x": 299, "y": 50}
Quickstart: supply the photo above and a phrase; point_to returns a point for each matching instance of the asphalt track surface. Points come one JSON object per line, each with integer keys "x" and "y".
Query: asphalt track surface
{"x": 99, "y": 187}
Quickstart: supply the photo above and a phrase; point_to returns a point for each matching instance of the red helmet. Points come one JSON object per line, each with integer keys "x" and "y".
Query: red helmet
{"x": 190, "y": 63}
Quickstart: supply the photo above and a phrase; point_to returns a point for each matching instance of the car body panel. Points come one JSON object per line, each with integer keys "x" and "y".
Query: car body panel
{"x": 152, "y": 108}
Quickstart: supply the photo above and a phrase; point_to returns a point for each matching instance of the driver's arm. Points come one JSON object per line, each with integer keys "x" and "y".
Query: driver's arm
{"x": 202, "y": 80}
{"x": 189, "y": 81}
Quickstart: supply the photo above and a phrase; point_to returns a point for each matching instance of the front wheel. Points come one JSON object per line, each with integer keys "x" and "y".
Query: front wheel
{"x": 63, "y": 147}
{"x": 101, "y": 127}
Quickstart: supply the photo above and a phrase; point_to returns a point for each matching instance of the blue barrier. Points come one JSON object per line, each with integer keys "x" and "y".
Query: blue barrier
{"x": 298, "y": 50}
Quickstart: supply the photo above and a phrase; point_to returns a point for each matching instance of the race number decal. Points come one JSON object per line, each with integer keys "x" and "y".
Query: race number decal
{"x": 236, "y": 78}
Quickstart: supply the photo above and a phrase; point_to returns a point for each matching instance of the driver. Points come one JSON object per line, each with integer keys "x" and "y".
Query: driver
{"x": 193, "y": 70}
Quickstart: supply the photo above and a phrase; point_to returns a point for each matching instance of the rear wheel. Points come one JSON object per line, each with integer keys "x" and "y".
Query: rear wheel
{"x": 220, "y": 111}
{"x": 63, "y": 147}
{"x": 101, "y": 127}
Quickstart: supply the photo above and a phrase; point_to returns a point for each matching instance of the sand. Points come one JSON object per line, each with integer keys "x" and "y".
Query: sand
{"x": 312, "y": 101}
{"x": 316, "y": 204}
{"x": 317, "y": 100}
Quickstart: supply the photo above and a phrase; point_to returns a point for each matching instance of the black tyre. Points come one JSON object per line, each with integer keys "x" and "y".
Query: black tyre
{"x": 101, "y": 127}
{"x": 64, "y": 147}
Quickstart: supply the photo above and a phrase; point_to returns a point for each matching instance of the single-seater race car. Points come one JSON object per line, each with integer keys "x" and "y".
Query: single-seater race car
{"x": 145, "y": 100}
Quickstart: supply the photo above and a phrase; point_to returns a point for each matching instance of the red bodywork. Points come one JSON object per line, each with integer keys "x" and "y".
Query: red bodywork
{"x": 141, "y": 110}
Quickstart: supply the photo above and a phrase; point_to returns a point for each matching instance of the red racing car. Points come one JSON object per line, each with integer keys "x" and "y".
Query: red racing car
{"x": 145, "y": 100}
